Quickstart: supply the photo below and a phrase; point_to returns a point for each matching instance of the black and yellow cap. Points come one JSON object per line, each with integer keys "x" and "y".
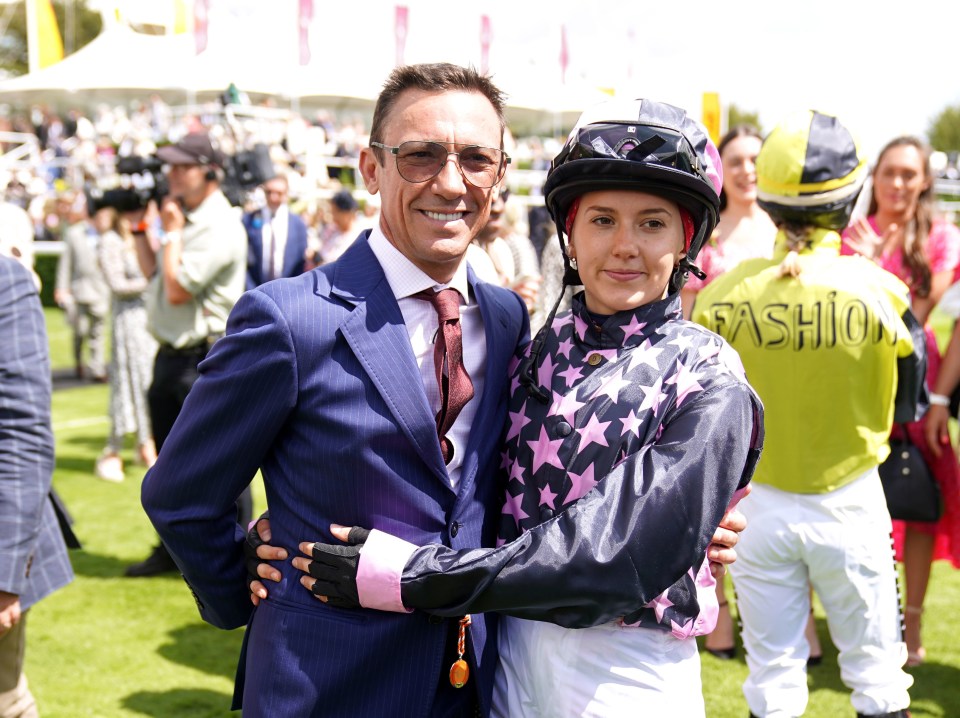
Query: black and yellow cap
{"x": 810, "y": 170}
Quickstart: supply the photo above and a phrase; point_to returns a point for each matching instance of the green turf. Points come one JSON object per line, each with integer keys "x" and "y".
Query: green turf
{"x": 110, "y": 646}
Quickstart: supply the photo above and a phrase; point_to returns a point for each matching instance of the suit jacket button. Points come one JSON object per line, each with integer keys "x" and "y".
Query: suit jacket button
{"x": 455, "y": 529}
{"x": 564, "y": 429}
{"x": 594, "y": 359}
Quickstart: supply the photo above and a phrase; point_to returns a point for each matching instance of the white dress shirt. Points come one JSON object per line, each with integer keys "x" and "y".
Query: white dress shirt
{"x": 275, "y": 229}
{"x": 420, "y": 318}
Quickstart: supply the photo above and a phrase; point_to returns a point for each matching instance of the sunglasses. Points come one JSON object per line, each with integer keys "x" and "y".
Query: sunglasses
{"x": 419, "y": 161}
{"x": 636, "y": 143}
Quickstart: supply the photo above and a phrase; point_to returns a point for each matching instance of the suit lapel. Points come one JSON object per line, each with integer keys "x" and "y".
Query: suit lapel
{"x": 378, "y": 337}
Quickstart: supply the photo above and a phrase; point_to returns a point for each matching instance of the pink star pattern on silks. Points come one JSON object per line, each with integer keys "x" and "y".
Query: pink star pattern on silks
{"x": 518, "y": 420}
{"x": 633, "y": 328}
{"x": 571, "y": 374}
{"x": 612, "y": 386}
{"x": 547, "y": 496}
{"x": 563, "y": 349}
{"x": 708, "y": 351}
{"x": 582, "y": 483}
{"x": 645, "y": 354}
{"x": 512, "y": 507}
{"x": 730, "y": 360}
{"x": 660, "y": 604}
{"x": 686, "y": 382}
{"x": 631, "y": 424}
{"x": 580, "y": 327}
{"x": 566, "y": 406}
{"x": 684, "y": 341}
{"x": 516, "y": 472}
{"x": 514, "y": 384}
{"x": 558, "y": 323}
{"x": 545, "y": 451}
{"x": 547, "y": 367}
{"x": 684, "y": 630}
{"x": 593, "y": 432}
{"x": 653, "y": 396}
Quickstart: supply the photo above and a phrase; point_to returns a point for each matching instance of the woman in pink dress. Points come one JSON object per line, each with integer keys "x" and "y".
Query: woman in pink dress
{"x": 902, "y": 234}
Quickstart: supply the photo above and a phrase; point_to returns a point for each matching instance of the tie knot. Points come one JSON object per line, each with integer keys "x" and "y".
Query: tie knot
{"x": 446, "y": 302}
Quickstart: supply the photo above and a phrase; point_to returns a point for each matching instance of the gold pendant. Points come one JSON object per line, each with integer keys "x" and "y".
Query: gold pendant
{"x": 459, "y": 673}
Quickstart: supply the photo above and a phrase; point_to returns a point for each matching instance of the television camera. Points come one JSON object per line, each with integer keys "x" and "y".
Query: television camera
{"x": 142, "y": 179}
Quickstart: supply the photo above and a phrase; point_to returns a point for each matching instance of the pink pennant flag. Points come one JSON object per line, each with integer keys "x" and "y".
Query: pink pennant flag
{"x": 486, "y": 35}
{"x": 400, "y": 31}
{"x": 304, "y": 18}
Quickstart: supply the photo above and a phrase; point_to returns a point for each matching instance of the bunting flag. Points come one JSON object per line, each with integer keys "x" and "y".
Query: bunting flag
{"x": 44, "y": 44}
{"x": 564, "y": 54}
{"x": 486, "y": 35}
{"x": 181, "y": 17}
{"x": 201, "y": 18}
{"x": 304, "y": 18}
{"x": 711, "y": 115}
{"x": 400, "y": 31}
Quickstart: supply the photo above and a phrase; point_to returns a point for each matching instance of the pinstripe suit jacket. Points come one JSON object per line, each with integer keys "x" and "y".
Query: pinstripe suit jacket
{"x": 33, "y": 557}
{"x": 316, "y": 385}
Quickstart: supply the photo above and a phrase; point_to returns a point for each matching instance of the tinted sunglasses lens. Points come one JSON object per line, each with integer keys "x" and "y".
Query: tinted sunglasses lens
{"x": 482, "y": 166}
{"x": 422, "y": 161}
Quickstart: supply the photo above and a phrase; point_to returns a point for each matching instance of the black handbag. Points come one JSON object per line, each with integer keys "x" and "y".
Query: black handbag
{"x": 911, "y": 490}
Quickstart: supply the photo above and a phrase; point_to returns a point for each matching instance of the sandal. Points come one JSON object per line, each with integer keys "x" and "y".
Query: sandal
{"x": 109, "y": 467}
{"x": 916, "y": 653}
{"x": 147, "y": 454}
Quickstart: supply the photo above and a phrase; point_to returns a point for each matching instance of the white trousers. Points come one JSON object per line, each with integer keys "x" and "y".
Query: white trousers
{"x": 546, "y": 671}
{"x": 840, "y": 543}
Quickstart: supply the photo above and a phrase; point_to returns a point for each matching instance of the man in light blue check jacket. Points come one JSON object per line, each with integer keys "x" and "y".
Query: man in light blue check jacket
{"x": 33, "y": 556}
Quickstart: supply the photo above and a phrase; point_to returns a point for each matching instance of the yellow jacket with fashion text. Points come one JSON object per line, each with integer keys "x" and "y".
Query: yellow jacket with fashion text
{"x": 821, "y": 350}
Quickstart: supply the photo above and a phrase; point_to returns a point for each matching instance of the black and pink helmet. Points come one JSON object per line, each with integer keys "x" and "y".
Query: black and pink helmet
{"x": 639, "y": 145}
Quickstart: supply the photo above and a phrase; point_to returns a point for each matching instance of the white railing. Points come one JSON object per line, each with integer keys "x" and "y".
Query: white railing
{"x": 24, "y": 153}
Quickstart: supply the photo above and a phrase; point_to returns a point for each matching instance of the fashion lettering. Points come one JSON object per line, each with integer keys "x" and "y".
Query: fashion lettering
{"x": 809, "y": 325}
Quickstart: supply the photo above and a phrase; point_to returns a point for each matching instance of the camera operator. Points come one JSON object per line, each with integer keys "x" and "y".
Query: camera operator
{"x": 198, "y": 273}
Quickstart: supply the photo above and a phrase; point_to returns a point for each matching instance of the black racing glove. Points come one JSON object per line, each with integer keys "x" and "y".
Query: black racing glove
{"x": 335, "y": 568}
{"x": 250, "y": 546}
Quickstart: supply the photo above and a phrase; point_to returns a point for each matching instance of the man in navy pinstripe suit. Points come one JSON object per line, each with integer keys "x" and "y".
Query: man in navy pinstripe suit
{"x": 33, "y": 556}
{"x": 325, "y": 382}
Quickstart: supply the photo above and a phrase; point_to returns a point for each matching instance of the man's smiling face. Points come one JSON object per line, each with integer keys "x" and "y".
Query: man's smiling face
{"x": 433, "y": 222}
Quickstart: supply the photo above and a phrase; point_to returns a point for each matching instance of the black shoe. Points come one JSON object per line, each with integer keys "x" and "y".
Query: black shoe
{"x": 724, "y": 654}
{"x": 155, "y": 564}
{"x": 902, "y": 713}
{"x": 814, "y": 661}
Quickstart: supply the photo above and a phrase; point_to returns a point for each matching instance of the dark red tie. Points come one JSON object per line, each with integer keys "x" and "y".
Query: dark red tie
{"x": 454, "y": 383}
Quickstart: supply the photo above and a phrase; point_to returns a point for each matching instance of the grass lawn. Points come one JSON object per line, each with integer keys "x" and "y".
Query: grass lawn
{"x": 109, "y": 646}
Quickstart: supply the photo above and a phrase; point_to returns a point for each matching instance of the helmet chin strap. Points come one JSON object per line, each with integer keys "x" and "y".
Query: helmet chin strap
{"x": 529, "y": 370}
